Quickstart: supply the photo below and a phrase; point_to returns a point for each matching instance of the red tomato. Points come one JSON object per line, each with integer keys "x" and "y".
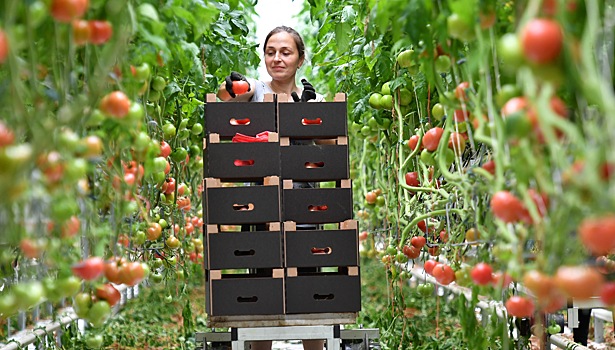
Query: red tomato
{"x": 71, "y": 227}
{"x": 461, "y": 115}
{"x": 413, "y": 142}
{"x": 433, "y": 251}
{"x": 67, "y": 10}
{"x": 132, "y": 273}
{"x": 7, "y": 137}
{"x": 598, "y": 234}
{"x": 489, "y": 166}
{"x": 112, "y": 271}
{"x": 115, "y": 104}
{"x": 482, "y": 274}
{"x": 4, "y": 46}
{"x": 81, "y": 31}
{"x": 429, "y": 265}
{"x": 108, "y": 293}
{"x": 89, "y": 269}
{"x": 607, "y": 294}
{"x": 443, "y": 273}
{"x": 240, "y": 87}
{"x": 541, "y": 40}
{"x": 443, "y": 236}
{"x": 411, "y": 252}
{"x": 519, "y": 307}
{"x": 541, "y": 201}
{"x": 422, "y": 225}
{"x": 432, "y": 137}
{"x": 30, "y": 248}
{"x": 514, "y": 105}
{"x": 370, "y": 197}
{"x": 412, "y": 179}
{"x": 507, "y": 207}
{"x": 579, "y": 282}
{"x": 418, "y": 241}
{"x": 363, "y": 236}
{"x": 100, "y": 32}
{"x": 501, "y": 279}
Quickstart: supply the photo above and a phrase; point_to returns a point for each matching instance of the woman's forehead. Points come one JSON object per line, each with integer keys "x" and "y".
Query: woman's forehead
{"x": 281, "y": 40}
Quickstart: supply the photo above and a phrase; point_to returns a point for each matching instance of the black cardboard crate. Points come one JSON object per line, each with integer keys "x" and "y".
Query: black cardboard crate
{"x": 238, "y": 250}
{"x": 315, "y": 248}
{"x": 316, "y": 205}
{"x": 242, "y": 161}
{"x": 244, "y": 295}
{"x": 313, "y": 119}
{"x": 248, "y": 118}
{"x": 242, "y": 204}
{"x": 323, "y": 293}
{"x": 314, "y": 162}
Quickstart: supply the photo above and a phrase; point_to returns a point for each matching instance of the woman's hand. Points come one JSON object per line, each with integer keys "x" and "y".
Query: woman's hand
{"x": 229, "y": 83}
{"x": 308, "y": 92}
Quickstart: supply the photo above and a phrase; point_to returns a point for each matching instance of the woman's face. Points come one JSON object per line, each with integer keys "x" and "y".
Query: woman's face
{"x": 282, "y": 57}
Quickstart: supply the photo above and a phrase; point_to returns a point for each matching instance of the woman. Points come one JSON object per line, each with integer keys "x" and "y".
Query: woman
{"x": 284, "y": 54}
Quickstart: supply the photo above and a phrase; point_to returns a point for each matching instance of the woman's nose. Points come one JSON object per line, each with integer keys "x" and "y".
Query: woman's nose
{"x": 277, "y": 56}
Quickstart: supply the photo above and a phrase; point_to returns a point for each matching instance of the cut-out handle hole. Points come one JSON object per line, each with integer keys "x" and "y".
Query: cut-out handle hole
{"x": 235, "y": 121}
{"x": 242, "y": 162}
{"x": 251, "y": 299}
{"x": 324, "y": 296}
{"x": 317, "y": 207}
{"x": 244, "y": 252}
{"x": 243, "y": 207}
{"x": 306, "y": 121}
{"x": 311, "y": 165}
{"x": 321, "y": 251}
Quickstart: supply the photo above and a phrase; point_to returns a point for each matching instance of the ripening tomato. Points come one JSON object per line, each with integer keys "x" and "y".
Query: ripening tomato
{"x": 90, "y": 268}
{"x": 4, "y": 46}
{"x": 489, "y": 166}
{"x": 579, "y": 282}
{"x": 241, "y": 87}
{"x": 541, "y": 40}
{"x": 422, "y": 225}
{"x": 538, "y": 283}
{"x": 457, "y": 142}
{"x": 431, "y": 139}
{"x": 460, "y": 91}
{"x": 81, "y": 31}
{"x": 100, "y": 32}
{"x": 507, "y": 207}
{"x": 598, "y": 234}
{"x": 154, "y": 231}
{"x": 519, "y": 306}
{"x": 370, "y": 197}
{"x": 7, "y": 137}
{"x": 115, "y": 104}
{"x": 482, "y": 274}
{"x": 66, "y": 10}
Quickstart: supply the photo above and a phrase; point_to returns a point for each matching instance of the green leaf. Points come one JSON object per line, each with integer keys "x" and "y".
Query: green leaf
{"x": 148, "y": 11}
{"x": 343, "y": 35}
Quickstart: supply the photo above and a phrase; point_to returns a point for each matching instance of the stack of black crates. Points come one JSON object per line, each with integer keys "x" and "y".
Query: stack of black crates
{"x": 281, "y": 244}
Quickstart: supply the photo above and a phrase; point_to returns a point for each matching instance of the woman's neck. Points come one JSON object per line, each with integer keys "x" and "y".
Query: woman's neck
{"x": 283, "y": 87}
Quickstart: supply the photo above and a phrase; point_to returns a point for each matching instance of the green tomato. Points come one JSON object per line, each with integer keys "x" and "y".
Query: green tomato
{"x": 459, "y": 29}
{"x": 401, "y": 258}
{"x": 507, "y": 91}
{"x": 156, "y": 277}
{"x": 385, "y": 89}
{"x": 437, "y": 111}
{"x": 196, "y": 129}
{"x": 405, "y": 96}
{"x": 82, "y": 303}
{"x": 28, "y": 294}
{"x": 142, "y": 142}
{"x": 517, "y": 125}
{"x": 159, "y": 164}
{"x": 142, "y": 72}
{"x": 69, "y": 286}
{"x": 37, "y": 13}
{"x": 94, "y": 341}
{"x": 135, "y": 112}
{"x": 426, "y": 289}
{"x": 405, "y": 58}
{"x": 386, "y": 123}
{"x": 372, "y": 123}
{"x": 449, "y": 156}
{"x": 374, "y": 100}
{"x": 168, "y": 299}
{"x": 443, "y": 64}
{"x": 8, "y": 304}
{"x": 169, "y": 131}
{"x": 139, "y": 238}
{"x": 99, "y": 313}
{"x": 158, "y": 83}
{"x": 554, "y": 329}
{"x": 366, "y": 131}
{"x": 510, "y": 51}
{"x": 52, "y": 292}
{"x": 386, "y": 102}
{"x": 76, "y": 169}
{"x": 179, "y": 154}
{"x": 153, "y": 96}
{"x": 391, "y": 250}
{"x": 158, "y": 177}
{"x": 427, "y": 157}
{"x": 184, "y": 123}
{"x": 183, "y": 134}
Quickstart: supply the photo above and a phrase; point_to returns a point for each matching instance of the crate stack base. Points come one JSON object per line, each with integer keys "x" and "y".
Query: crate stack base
{"x": 269, "y": 260}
